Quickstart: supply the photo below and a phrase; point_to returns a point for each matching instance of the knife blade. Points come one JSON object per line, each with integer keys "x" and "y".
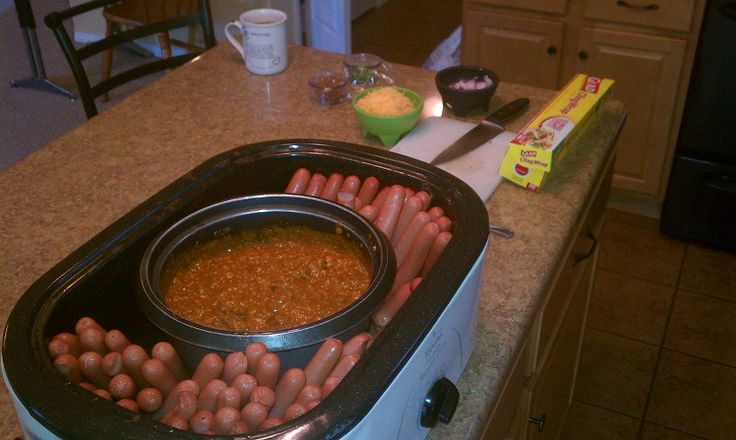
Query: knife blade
{"x": 489, "y": 128}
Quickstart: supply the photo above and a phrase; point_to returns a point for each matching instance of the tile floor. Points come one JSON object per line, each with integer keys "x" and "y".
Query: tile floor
{"x": 659, "y": 353}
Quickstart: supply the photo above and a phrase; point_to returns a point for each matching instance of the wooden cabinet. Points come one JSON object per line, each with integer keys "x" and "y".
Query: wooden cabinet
{"x": 537, "y": 394}
{"x": 646, "y": 46}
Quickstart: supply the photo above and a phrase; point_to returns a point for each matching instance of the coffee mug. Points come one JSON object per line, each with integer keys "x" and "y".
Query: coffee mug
{"x": 264, "y": 47}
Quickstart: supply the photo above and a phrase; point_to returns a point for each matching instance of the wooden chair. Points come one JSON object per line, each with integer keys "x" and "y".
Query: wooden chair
{"x": 160, "y": 21}
{"x": 133, "y": 13}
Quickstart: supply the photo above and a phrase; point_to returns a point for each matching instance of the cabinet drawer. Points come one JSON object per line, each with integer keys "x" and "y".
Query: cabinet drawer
{"x": 559, "y": 299}
{"x": 668, "y": 14}
{"x": 508, "y": 405}
{"x": 550, "y": 6}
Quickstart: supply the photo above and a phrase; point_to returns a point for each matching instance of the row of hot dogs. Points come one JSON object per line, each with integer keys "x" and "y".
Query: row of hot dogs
{"x": 246, "y": 392}
{"x": 418, "y": 232}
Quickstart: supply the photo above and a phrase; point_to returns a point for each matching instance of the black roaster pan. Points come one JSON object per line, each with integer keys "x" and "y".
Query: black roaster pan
{"x": 99, "y": 280}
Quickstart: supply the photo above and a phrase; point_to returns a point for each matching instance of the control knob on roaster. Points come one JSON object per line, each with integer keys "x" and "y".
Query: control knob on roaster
{"x": 440, "y": 403}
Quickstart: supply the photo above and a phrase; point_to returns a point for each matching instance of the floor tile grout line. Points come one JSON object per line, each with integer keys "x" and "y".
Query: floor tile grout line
{"x": 639, "y": 278}
{"x": 661, "y": 345}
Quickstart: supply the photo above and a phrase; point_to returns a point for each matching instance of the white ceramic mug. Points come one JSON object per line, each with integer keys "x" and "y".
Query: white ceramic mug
{"x": 264, "y": 47}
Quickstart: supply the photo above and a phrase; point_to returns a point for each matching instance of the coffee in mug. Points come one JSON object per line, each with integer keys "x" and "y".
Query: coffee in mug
{"x": 264, "y": 46}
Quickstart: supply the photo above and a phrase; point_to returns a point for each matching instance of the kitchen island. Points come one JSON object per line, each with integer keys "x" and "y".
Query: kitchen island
{"x": 59, "y": 197}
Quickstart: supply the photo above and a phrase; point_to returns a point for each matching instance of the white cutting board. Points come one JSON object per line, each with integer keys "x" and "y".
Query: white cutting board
{"x": 479, "y": 168}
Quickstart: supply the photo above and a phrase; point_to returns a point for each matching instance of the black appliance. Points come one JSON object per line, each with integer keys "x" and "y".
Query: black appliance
{"x": 700, "y": 205}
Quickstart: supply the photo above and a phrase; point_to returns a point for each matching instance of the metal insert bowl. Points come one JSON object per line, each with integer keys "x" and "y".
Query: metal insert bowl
{"x": 295, "y": 345}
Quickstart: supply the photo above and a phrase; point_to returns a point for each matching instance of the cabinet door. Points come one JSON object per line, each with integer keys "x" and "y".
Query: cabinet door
{"x": 647, "y": 73}
{"x": 553, "y": 387}
{"x": 521, "y": 50}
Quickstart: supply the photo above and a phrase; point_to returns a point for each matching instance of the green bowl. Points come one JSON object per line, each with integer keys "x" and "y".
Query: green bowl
{"x": 389, "y": 128}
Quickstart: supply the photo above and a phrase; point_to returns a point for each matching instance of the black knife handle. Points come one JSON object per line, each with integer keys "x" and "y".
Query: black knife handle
{"x": 509, "y": 111}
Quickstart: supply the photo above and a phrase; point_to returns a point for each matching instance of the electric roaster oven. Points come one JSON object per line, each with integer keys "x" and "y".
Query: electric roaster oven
{"x": 400, "y": 388}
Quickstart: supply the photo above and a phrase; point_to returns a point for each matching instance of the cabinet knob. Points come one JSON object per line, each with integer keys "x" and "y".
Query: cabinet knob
{"x": 440, "y": 403}
{"x": 539, "y": 422}
{"x": 583, "y": 55}
{"x": 551, "y": 50}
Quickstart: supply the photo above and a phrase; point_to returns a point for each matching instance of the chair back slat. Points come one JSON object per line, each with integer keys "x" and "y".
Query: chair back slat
{"x": 184, "y": 14}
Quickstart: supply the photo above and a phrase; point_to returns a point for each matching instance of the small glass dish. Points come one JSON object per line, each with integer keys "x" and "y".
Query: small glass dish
{"x": 329, "y": 87}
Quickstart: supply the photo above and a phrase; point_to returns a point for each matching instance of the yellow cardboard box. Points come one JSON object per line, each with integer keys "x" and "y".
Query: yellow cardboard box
{"x": 545, "y": 140}
{"x": 529, "y": 178}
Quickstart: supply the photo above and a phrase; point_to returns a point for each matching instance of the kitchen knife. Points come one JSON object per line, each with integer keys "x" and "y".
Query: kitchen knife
{"x": 489, "y": 128}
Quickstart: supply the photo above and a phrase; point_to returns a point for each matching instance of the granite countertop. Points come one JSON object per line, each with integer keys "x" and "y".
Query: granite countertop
{"x": 62, "y": 195}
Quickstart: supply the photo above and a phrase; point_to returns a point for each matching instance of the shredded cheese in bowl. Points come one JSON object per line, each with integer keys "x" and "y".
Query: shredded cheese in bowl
{"x": 386, "y": 101}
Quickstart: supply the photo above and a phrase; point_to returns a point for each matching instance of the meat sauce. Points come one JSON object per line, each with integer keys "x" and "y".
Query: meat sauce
{"x": 271, "y": 278}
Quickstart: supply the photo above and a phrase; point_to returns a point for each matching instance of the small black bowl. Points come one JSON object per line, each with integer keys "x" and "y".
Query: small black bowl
{"x": 462, "y": 102}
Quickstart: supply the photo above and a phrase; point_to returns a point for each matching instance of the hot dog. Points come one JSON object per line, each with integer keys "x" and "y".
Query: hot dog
{"x": 332, "y": 187}
{"x": 72, "y": 341}
{"x": 167, "y": 354}
{"x": 358, "y": 344}
{"x": 403, "y": 245}
{"x": 178, "y": 422}
{"x": 390, "y": 210}
{"x": 287, "y": 390}
{"x": 263, "y": 395}
{"x": 122, "y": 386}
{"x": 115, "y": 340}
{"x": 93, "y": 339}
{"x": 254, "y": 414}
{"x": 129, "y": 404}
{"x": 172, "y": 399}
{"x": 208, "y": 396}
{"x": 370, "y": 212}
{"x": 426, "y": 199}
{"x": 239, "y": 427}
{"x": 412, "y": 264}
{"x": 253, "y": 352}
{"x": 391, "y": 305}
{"x": 346, "y": 199}
{"x": 245, "y": 383}
{"x": 58, "y": 346}
{"x": 84, "y": 323}
{"x": 235, "y": 363}
{"x": 380, "y": 198}
{"x": 158, "y": 375}
{"x": 224, "y": 419}
{"x": 329, "y": 384}
{"x": 316, "y": 185}
{"x": 268, "y": 370}
{"x": 311, "y": 404}
{"x": 228, "y": 396}
{"x": 411, "y": 208}
{"x": 368, "y": 190}
{"x": 293, "y": 411}
{"x": 436, "y": 212}
{"x": 344, "y": 366}
{"x": 149, "y": 399}
{"x": 201, "y": 422}
{"x": 444, "y": 223}
{"x": 112, "y": 364}
{"x": 350, "y": 184}
{"x": 68, "y": 366}
{"x": 87, "y": 386}
{"x": 186, "y": 405}
{"x": 299, "y": 181}
{"x": 323, "y": 361}
{"x": 309, "y": 392}
{"x": 103, "y": 393}
{"x": 269, "y": 423}
{"x": 438, "y": 246}
{"x": 210, "y": 367}
{"x": 90, "y": 363}
{"x": 133, "y": 358}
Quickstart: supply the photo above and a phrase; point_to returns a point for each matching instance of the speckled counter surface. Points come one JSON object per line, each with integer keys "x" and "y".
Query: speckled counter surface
{"x": 59, "y": 197}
